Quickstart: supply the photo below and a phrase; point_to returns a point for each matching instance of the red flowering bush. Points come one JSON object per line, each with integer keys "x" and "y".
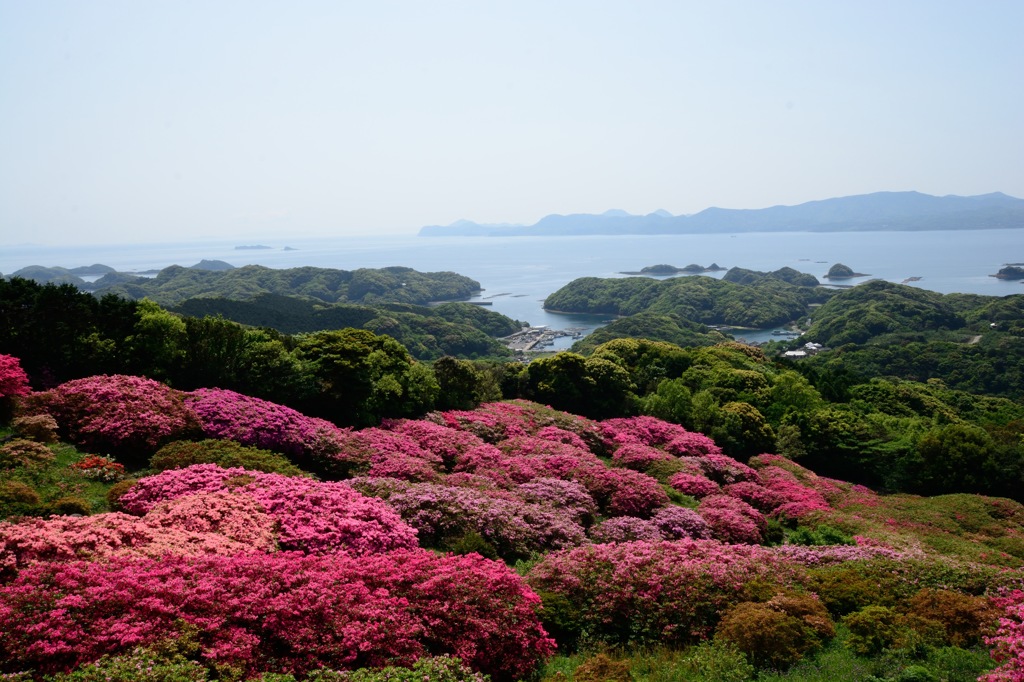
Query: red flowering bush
{"x": 13, "y": 380}
{"x": 692, "y": 444}
{"x": 797, "y": 500}
{"x": 286, "y": 612}
{"x": 99, "y": 468}
{"x": 126, "y": 415}
{"x": 263, "y": 424}
{"x": 732, "y": 519}
{"x": 314, "y": 516}
{"x": 756, "y": 495}
{"x": 643, "y": 593}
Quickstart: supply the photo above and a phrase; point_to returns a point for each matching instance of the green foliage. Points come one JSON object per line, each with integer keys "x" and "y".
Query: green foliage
{"x": 594, "y": 386}
{"x": 142, "y": 664}
{"x": 225, "y": 453}
{"x": 874, "y": 629}
{"x": 670, "y": 328}
{"x": 432, "y": 668}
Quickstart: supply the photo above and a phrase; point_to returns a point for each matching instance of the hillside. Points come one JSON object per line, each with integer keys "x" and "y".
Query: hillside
{"x": 885, "y": 211}
{"x": 628, "y": 535}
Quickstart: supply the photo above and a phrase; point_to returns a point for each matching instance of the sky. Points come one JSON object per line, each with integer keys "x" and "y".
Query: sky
{"x": 168, "y": 120}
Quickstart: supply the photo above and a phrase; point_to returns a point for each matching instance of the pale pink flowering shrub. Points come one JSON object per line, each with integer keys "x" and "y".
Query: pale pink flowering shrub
{"x": 130, "y": 415}
{"x": 569, "y": 496}
{"x": 644, "y": 593}
{"x": 732, "y": 520}
{"x": 223, "y": 527}
{"x": 676, "y": 523}
{"x": 515, "y": 528}
{"x": 694, "y": 484}
{"x": 314, "y": 516}
{"x": 283, "y": 612}
{"x": 640, "y": 457}
{"x": 625, "y": 529}
{"x": 13, "y": 380}
{"x": 1007, "y": 644}
{"x": 260, "y": 423}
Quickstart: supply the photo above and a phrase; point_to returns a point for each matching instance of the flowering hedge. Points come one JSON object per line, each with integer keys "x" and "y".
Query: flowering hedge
{"x": 129, "y": 415}
{"x": 286, "y": 612}
{"x": 645, "y": 593}
{"x": 314, "y": 516}
{"x": 263, "y": 424}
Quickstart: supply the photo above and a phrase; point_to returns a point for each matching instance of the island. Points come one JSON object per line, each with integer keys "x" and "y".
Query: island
{"x": 663, "y": 270}
{"x": 840, "y": 271}
{"x": 1010, "y": 272}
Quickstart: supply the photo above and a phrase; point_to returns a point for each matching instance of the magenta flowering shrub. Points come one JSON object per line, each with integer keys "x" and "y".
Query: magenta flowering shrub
{"x": 692, "y": 444}
{"x": 447, "y": 443}
{"x": 640, "y": 457}
{"x": 569, "y": 496}
{"x": 642, "y": 430}
{"x": 13, "y": 380}
{"x": 379, "y": 453}
{"x": 260, "y": 423}
{"x": 515, "y": 528}
{"x": 696, "y": 485}
{"x": 756, "y": 495}
{"x": 732, "y": 520}
{"x": 560, "y": 435}
{"x": 676, "y": 523}
{"x": 625, "y": 529}
{"x": 117, "y": 413}
{"x": 1007, "y": 644}
{"x": 285, "y": 612}
{"x": 494, "y": 422}
{"x": 642, "y": 593}
{"x": 622, "y": 492}
{"x": 797, "y": 500}
{"x": 725, "y": 470}
{"x": 314, "y": 516}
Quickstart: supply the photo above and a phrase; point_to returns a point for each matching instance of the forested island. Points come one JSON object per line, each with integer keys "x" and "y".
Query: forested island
{"x": 206, "y": 499}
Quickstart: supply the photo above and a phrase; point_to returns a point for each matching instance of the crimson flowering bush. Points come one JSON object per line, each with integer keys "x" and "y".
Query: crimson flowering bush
{"x": 285, "y": 612}
{"x": 1007, "y": 643}
{"x": 99, "y": 468}
{"x": 314, "y": 516}
{"x": 13, "y": 379}
{"x": 127, "y": 415}
{"x": 696, "y": 485}
{"x": 514, "y": 527}
{"x": 495, "y": 422}
{"x": 260, "y": 423}
{"x": 732, "y": 520}
{"x": 644, "y": 593}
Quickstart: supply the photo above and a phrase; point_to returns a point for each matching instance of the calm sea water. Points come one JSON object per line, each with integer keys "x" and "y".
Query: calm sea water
{"x": 517, "y": 273}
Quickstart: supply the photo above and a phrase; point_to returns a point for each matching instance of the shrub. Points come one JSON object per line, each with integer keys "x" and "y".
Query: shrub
{"x": 314, "y": 516}
{"x": 99, "y": 468}
{"x": 141, "y": 664}
{"x": 643, "y": 430}
{"x": 874, "y": 629}
{"x": 643, "y": 593}
{"x": 770, "y": 638}
{"x": 640, "y": 457}
{"x": 228, "y": 415}
{"x": 676, "y": 523}
{"x": 569, "y": 496}
{"x": 732, "y": 520}
{"x": 17, "y": 498}
{"x": 426, "y": 669}
{"x": 622, "y": 492}
{"x": 1007, "y": 644}
{"x": 37, "y": 427}
{"x": 224, "y": 453}
{"x": 285, "y": 611}
{"x": 13, "y": 380}
{"x": 694, "y": 484}
{"x": 963, "y": 618}
{"x": 116, "y": 491}
{"x": 601, "y": 668}
{"x": 447, "y": 443}
{"x": 625, "y": 529}
{"x": 21, "y": 452}
{"x": 70, "y": 505}
{"x": 126, "y": 415}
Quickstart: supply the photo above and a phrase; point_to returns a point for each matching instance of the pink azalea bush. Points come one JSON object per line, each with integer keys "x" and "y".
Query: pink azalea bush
{"x": 640, "y": 457}
{"x": 514, "y": 527}
{"x": 495, "y": 422}
{"x": 644, "y": 593}
{"x": 1007, "y": 643}
{"x": 641, "y": 430}
{"x": 677, "y": 523}
{"x": 625, "y": 529}
{"x": 732, "y": 520}
{"x": 622, "y": 492}
{"x": 696, "y": 485}
{"x": 447, "y": 443}
{"x": 692, "y": 444}
{"x": 285, "y": 611}
{"x": 797, "y": 500}
{"x": 569, "y": 496}
{"x": 260, "y": 423}
{"x": 13, "y": 380}
{"x": 127, "y": 414}
{"x": 380, "y": 452}
{"x": 314, "y": 516}
{"x": 756, "y": 495}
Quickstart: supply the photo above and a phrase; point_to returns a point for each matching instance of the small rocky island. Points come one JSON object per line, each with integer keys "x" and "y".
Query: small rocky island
{"x": 840, "y": 271}
{"x": 663, "y": 270}
{"x": 1013, "y": 271}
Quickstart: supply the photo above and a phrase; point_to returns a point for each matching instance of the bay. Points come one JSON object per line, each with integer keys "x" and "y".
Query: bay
{"x": 517, "y": 273}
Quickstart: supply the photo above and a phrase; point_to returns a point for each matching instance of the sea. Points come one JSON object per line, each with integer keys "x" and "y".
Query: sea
{"x": 517, "y": 273}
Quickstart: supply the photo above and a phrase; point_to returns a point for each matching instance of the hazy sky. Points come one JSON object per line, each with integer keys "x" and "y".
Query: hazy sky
{"x": 151, "y": 120}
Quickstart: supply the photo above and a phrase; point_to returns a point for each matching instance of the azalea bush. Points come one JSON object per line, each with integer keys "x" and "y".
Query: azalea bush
{"x": 285, "y": 611}
{"x": 1007, "y": 643}
{"x": 262, "y": 424}
{"x": 126, "y": 415}
{"x": 100, "y": 468}
{"x": 314, "y": 516}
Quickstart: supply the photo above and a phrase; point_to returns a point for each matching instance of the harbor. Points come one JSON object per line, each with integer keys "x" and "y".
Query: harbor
{"x": 539, "y": 338}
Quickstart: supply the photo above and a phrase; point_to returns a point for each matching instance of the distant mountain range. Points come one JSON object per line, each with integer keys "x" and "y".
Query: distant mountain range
{"x": 881, "y": 211}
